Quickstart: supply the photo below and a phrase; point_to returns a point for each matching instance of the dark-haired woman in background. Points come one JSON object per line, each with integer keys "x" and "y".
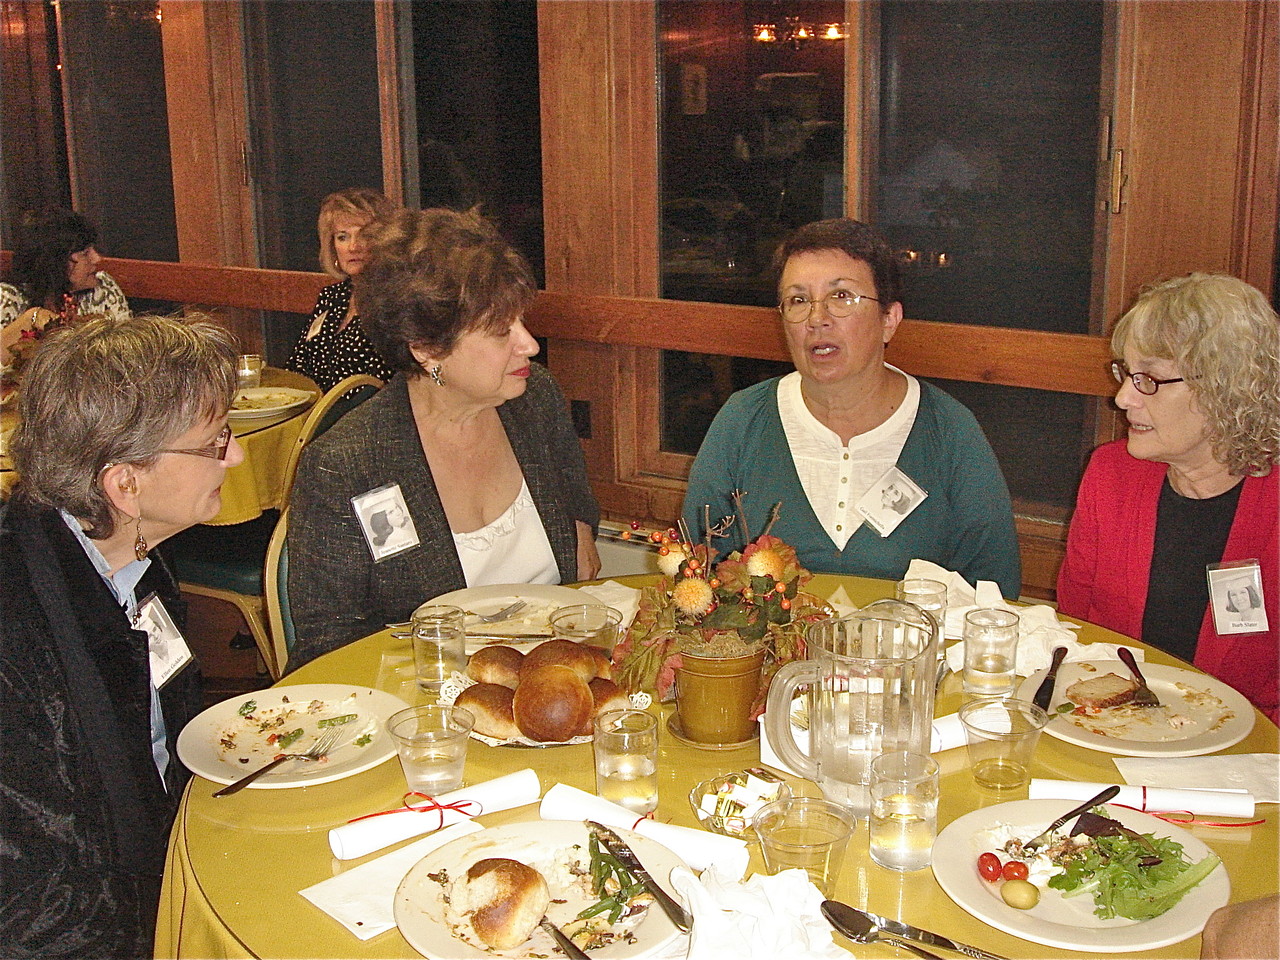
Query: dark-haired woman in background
{"x": 54, "y": 278}
{"x": 1194, "y": 484}
{"x": 470, "y": 438}
{"x": 334, "y": 345}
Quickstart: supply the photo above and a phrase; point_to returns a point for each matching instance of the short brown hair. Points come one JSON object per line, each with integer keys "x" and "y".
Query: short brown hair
{"x": 852, "y": 237}
{"x": 114, "y": 390}
{"x": 360, "y": 202}
{"x": 433, "y": 275}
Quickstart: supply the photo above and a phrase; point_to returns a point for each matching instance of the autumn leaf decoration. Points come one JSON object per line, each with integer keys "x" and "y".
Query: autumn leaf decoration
{"x": 750, "y": 599}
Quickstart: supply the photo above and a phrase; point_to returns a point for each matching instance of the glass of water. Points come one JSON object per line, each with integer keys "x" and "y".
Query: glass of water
{"x": 990, "y": 651}
{"x": 928, "y": 595}
{"x": 904, "y": 810}
{"x": 626, "y": 753}
{"x": 432, "y": 743}
{"x": 439, "y": 645}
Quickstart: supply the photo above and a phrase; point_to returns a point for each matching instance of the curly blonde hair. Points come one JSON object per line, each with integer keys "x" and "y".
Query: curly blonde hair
{"x": 1225, "y": 339}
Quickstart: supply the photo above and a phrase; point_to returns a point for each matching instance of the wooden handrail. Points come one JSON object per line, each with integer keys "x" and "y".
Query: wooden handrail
{"x": 1060, "y": 362}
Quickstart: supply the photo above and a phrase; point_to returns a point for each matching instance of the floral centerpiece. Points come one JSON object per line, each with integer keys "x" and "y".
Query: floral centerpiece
{"x": 750, "y": 600}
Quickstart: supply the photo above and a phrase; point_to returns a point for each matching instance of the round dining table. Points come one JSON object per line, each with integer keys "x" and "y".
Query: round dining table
{"x": 236, "y": 864}
{"x": 257, "y": 483}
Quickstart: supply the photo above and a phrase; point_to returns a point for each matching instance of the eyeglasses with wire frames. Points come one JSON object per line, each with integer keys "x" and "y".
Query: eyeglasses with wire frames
{"x": 839, "y": 303}
{"x": 215, "y": 450}
{"x": 1144, "y": 383}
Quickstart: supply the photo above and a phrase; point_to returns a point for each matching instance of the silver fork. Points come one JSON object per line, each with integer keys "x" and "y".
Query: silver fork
{"x": 503, "y": 614}
{"x": 320, "y": 749}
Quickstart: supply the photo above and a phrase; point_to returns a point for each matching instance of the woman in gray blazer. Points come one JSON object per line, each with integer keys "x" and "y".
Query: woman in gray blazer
{"x": 468, "y": 453}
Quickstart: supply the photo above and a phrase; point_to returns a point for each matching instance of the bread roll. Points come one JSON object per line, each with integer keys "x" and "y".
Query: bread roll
{"x": 604, "y": 666}
{"x": 564, "y": 653}
{"x": 502, "y": 900}
{"x": 496, "y": 664}
{"x": 606, "y": 696}
{"x": 552, "y": 703}
{"x": 491, "y": 704}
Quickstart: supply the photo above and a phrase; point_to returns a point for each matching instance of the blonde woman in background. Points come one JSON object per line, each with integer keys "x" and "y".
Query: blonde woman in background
{"x": 334, "y": 346}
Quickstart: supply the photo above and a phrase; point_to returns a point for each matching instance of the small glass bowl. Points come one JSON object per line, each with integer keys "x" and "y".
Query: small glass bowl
{"x": 735, "y": 825}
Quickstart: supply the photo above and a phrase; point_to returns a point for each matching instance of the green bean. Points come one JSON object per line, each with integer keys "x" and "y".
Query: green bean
{"x": 337, "y": 721}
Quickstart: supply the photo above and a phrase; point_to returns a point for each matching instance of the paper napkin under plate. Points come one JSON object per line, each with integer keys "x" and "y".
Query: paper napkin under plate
{"x": 624, "y": 599}
{"x": 362, "y": 899}
{"x": 696, "y": 847}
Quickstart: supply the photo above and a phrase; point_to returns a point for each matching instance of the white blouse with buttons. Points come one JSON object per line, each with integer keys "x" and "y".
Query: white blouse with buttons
{"x": 834, "y": 475}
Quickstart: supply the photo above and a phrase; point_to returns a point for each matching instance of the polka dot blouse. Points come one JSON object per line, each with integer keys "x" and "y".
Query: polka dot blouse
{"x": 328, "y": 354}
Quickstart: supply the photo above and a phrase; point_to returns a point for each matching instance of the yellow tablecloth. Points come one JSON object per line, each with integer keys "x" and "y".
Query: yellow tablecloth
{"x": 236, "y": 864}
{"x": 257, "y": 484}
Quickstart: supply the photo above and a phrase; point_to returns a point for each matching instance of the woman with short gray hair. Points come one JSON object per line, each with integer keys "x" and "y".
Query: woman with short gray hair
{"x": 123, "y": 442}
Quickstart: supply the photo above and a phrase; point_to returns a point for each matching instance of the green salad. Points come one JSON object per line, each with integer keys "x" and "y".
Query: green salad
{"x": 1133, "y": 875}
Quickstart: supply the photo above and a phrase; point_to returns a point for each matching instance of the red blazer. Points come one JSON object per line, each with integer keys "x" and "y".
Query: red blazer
{"x": 1109, "y": 546}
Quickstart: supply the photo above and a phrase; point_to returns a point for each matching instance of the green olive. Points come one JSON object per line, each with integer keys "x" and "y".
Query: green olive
{"x": 1020, "y": 894}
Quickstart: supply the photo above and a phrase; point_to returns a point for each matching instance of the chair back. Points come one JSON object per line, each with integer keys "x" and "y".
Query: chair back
{"x": 341, "y": 399}
{"x": 275, "y": 587}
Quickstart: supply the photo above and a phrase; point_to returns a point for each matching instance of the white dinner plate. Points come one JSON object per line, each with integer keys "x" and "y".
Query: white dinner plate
{"x": 201, "y": 749}
{"x": 420, "y": 908}
{"x": 542, "y": 599}
{"x": 1213, "y": 715}
{"x": 1057, "y": 921}
{"x": 254, "y": 402}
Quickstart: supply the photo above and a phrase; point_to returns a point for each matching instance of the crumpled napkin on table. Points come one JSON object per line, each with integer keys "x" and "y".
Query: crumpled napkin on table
{"x": 362, "y": 899}
{"x": 624, "y": 599}
{"x": 761, "y": 918}
{"x": 1258, "y": 773}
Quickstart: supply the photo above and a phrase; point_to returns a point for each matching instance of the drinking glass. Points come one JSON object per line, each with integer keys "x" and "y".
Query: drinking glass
{"x": 808, "y": 833}
{"x": 249, "y": 371}
{"x": 990, "y": 651}
{"x": 1002, "y": 734}
{"x": 904, "y": 810}
{"x": 432, "y": 743}
{"x": 439, "y": 645}
{"x": 626, "y": 755}
{"x": 929, "y": 595}
{"x": 591, "y": 623}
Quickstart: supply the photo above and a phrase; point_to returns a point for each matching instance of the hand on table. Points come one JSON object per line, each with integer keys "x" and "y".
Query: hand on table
{"x": 588, "y": 555}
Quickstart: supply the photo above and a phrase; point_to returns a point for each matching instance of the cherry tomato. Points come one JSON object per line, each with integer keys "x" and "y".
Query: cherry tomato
{"x": 1014, "y": 870}
{"x": 989, "y": 867}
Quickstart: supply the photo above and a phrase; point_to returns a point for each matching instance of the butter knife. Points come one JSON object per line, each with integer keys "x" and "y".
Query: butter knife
{"x": 1045, "y": 693}
{"x": 626, "y": 856}
{"x": 898, "y": 928}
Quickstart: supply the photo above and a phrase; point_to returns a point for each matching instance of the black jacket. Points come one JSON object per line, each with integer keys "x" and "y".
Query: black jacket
{"x": 84, "y": 817}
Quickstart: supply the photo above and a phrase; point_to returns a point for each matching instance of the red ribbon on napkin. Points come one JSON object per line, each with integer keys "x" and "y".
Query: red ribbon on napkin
{"x": 431, "y": 806}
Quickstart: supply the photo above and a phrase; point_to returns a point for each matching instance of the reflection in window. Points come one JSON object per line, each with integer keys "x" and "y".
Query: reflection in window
{"x": 479, "y": 128}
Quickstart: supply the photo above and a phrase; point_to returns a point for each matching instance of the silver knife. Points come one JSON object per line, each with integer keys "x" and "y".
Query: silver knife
{"x": 924, "y": 936}
{"x": 615, "y": 845}
{"x": 1045, "y": 693}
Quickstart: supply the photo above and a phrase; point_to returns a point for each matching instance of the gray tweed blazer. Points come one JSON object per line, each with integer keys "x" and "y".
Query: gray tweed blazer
{"x": 336, "y": 592}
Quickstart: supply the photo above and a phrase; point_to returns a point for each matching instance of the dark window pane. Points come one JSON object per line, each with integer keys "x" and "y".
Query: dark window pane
{"x": 479, "y": 127}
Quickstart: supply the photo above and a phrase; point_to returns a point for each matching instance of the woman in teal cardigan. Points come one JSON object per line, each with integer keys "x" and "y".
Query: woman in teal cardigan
{"x": 839, "y": 440}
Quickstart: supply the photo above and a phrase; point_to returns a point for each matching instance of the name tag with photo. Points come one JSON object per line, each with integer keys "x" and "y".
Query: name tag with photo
{"x": 890, "y": 500}
{"x": 166, "y": 647}
{"x": 385, "y": 521}
{"x": 1236, "y": 597}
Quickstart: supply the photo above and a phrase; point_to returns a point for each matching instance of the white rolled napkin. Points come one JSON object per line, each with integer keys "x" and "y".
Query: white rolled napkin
{"x": 1204, "y": 803}
{"x": 362, "y": 899}
{"x": 1256, "y": 773}
{"x": 624, "y": 599}
{"x": 761, "y": 918}
{"x": 356, "y": 839}
{"x": 698, "y": 848}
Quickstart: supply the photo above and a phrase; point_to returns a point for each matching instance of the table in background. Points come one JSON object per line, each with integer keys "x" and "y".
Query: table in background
{"x": 8, "y": 476}
{"x": 236, "y": 865}
{"x": 257, "y": 484}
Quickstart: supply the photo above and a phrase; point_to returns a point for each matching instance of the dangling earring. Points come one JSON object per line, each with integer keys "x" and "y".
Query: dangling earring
{"x": 434, "y": 374}
{"x": 140, "y": 545}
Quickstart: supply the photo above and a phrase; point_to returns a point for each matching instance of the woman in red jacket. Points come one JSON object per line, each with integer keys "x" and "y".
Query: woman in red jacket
{"x": 1192, "y": 490}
